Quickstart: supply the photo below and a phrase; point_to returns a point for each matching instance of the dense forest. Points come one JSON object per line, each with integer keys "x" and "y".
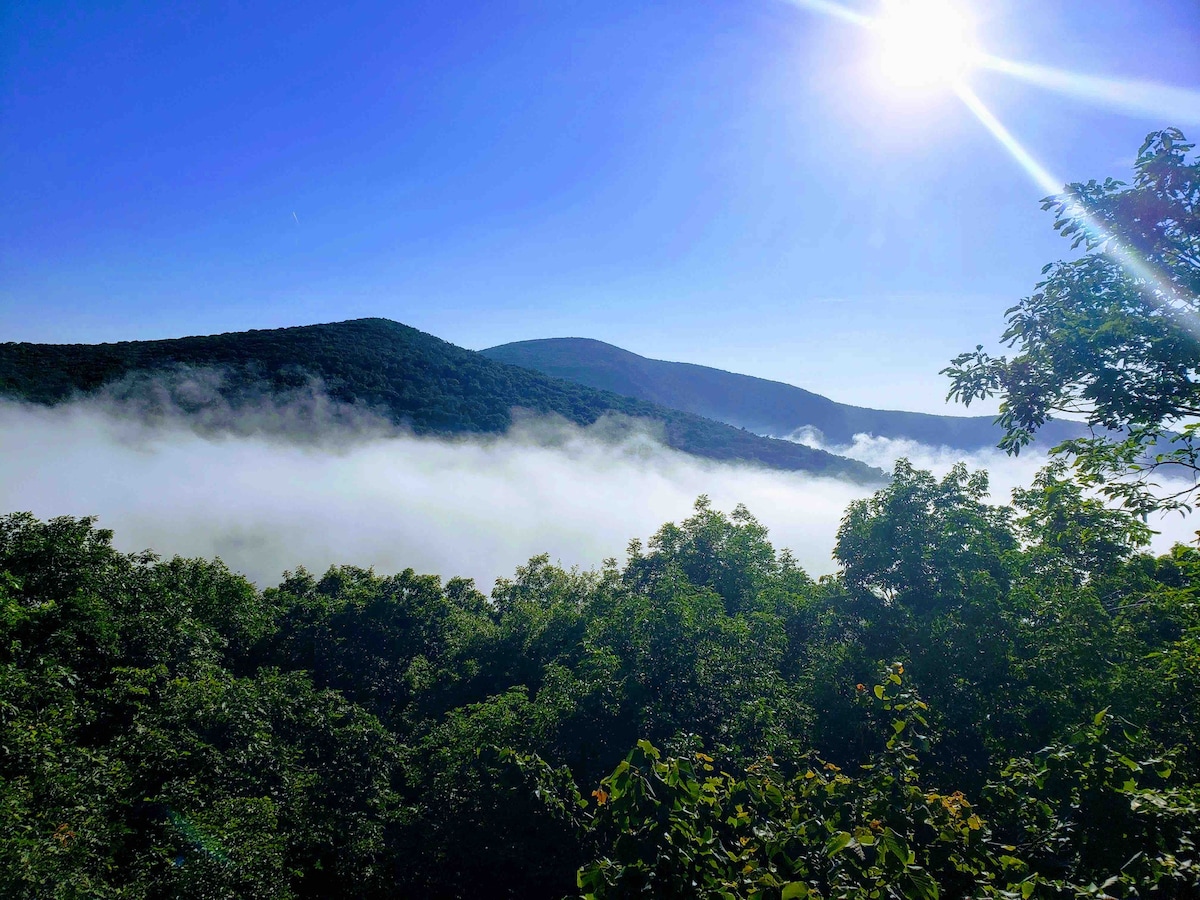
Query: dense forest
{"x": 377, "y": 366}
{"x": 986, "y": 701}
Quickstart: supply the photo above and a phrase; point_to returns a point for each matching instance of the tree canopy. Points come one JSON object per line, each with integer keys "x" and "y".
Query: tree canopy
{"x": 974, "y": 706}
{"x": 1114, "y": 335}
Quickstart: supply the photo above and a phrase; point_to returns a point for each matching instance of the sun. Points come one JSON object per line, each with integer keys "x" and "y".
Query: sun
{"x": 924, "y": 44}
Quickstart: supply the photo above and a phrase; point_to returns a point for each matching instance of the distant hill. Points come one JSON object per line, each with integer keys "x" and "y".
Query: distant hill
{"x": 761, "y": 406}
{"x": 414, "y": 378}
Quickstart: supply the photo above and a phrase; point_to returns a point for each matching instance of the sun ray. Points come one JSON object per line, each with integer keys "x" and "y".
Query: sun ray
{"x": 1034, "y": 169}
{"x": 1139, "y": 96}
{"x": 836, "y": 10}
{"x": 1134, "y": 96}
{"x": 1160, "y": 291}
{"x": 1149, "y": 98}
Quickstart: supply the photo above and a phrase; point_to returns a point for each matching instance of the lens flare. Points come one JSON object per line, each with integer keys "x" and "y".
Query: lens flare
{"x": 924, "y": 44}
{"x": 931, "y": 42}
{"x": 1159, "y": 291}
{"x": 835, "y": 10}
{"x": 1180, "y": 106}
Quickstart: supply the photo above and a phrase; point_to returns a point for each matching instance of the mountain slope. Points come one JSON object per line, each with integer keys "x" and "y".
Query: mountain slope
{"x": 759, "y": 405}
{"x": 414, "y": 378}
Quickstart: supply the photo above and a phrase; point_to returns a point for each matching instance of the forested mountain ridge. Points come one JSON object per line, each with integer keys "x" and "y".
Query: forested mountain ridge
{"x": 757, "y": 404}
{"x": 414, "y": 378}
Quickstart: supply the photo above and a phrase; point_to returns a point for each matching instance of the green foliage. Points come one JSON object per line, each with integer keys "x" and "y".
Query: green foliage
{"x": 923, "y": 544}
{"x": 1071, "y": 533}
{"x": 1113, "y": 336}
{"x": 135, "y": 762}
{"x": 1101, "y": 816}
{"x": 168, "y": 730}
{"x": 730, "y": 556}
{"x": 686, "y": 828}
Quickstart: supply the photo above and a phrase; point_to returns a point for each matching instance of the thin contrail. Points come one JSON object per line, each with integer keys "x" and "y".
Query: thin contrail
{"x": 295, "y": 217}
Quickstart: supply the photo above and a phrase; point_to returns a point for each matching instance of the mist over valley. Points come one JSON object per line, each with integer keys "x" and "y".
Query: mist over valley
{"x": 296, "y": 478}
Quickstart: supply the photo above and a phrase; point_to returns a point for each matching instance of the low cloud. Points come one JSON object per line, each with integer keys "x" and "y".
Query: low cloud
{"x": 270, "y": 484}
{"x": 1004, "y": 472}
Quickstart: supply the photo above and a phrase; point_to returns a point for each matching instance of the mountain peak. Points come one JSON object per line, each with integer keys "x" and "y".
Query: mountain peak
{"x": 756, "y": 404}
{"x": 414, "y": 378}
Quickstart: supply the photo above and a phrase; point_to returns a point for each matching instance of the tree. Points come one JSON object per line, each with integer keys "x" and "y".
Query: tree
{"x": 1070, "y": 533}
{"x": 729, "y": 555}
{"x": 686, "y": 827}
{"x": 1113, "y": 336}
{"x": 923, "y": 544}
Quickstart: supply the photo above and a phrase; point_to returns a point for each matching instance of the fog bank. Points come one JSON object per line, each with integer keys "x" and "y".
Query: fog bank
{"x": 1004, "y": 473}
{"x": 375, "y": 496}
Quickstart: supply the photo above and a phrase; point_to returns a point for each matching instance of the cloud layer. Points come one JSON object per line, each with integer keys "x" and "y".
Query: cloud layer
{"x": 371, "y": 495}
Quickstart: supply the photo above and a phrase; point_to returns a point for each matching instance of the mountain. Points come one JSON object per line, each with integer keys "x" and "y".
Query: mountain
{"x": 413, "y": 378}
{"x": 756, "y": 404}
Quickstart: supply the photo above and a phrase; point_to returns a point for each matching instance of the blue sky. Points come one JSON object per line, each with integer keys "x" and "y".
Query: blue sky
{"x": 716, "y": 182}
